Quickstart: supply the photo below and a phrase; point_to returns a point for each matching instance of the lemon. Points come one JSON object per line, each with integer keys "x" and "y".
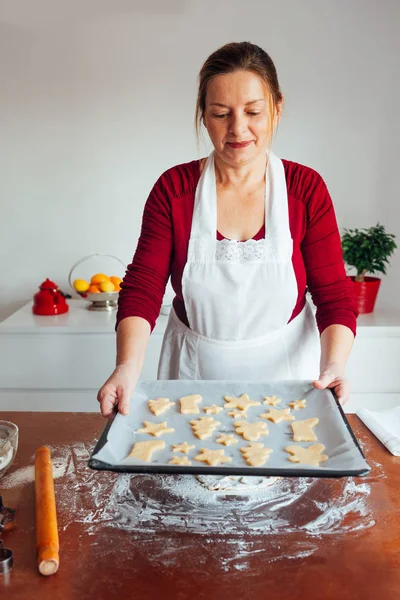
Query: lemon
{"x": 81, "y": 285}
{"x": 106, "y": 286}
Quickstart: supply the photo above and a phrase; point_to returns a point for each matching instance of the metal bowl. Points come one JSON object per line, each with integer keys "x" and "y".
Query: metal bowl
{"x": 8, "y": 445}
{"x": 102, "y": 300}
{"x": 107, "y": 301}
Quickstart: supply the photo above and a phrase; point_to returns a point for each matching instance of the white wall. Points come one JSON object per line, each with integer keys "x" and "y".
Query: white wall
{"x": 97, "y": 99}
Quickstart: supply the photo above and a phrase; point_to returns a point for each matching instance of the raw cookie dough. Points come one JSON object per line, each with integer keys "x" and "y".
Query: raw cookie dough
{"x": 160, "y": 405}
{"x": 204, "y": 427}
{"x": 256, "y": 455}
{"x": 144, "y": 450}
{"x": 277, "y": 416}
{"x": 180, "y": 460}
{"x": 189, "y": 404}
{"x": 307, "y": 456}
{"x": 212, "y": 457}
{"x": 303, "y": 432}
{"x": 212, "y": 410}
{"x": 155, "y": 429}
{"x": 235, "y": 413}
{"x": 184, "y": 447}
{"x": 298, "y": 404}
{"x": 251, "y": 431}
{"x": 271, "y": 400}
{"x": 243, "y": 402}
{"x": 227, "y": 439}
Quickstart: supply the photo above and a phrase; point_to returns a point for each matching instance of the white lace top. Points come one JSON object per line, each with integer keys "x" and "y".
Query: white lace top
{"x": 201, "y": 250}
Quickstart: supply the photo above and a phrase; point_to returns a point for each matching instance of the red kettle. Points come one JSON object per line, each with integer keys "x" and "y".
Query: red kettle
{"x": 49, "y": 300}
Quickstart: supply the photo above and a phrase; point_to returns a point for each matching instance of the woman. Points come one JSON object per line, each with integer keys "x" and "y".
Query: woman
{"x": 242, "y": 234}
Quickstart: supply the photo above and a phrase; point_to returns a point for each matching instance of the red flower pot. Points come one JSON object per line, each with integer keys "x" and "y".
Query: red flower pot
{"x": 365, "y": 293}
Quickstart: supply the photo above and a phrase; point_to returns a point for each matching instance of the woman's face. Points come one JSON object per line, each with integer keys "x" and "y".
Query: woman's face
{"x": 237, "y": 116}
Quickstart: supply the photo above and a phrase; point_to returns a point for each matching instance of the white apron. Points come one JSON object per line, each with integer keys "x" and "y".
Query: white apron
{"x": 239, "y": 297}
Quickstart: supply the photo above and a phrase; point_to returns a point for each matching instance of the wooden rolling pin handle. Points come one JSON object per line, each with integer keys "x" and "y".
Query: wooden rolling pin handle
{"x": 47, "y": 544}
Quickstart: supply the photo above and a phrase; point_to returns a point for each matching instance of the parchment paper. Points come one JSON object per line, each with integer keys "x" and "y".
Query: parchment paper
{"x": 333, "y": 431}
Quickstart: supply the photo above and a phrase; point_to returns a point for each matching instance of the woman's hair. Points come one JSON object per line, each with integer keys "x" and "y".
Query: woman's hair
{"x": 233, "y": 57}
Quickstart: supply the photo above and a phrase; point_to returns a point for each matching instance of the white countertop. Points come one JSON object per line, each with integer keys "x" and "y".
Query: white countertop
{"x": 77, "y": 320}
{"x": 80, "y": 320}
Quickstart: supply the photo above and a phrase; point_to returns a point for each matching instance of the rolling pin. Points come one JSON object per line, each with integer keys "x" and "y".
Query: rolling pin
{"x": 47, "y": 544}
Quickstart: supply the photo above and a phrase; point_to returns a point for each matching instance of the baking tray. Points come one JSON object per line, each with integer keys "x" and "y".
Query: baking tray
{"x": 333, "y": 431}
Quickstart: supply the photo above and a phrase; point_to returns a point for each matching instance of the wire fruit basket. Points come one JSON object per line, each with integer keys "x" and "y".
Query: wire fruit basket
{"x": 99, "y": 301}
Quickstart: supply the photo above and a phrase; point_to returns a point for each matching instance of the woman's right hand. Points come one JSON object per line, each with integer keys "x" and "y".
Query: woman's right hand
{"x": 118, "y": 390}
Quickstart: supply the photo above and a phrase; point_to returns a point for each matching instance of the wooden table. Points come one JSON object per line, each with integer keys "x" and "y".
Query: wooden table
{"x": 99, "y": 561}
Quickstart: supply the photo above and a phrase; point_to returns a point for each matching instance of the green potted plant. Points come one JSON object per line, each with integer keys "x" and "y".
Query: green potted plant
{"x": 367, "y": 250}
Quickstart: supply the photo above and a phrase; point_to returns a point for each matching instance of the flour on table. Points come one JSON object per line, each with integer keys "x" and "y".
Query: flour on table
{"x": 235, "y": 485}
{"x": 153, "y": 507}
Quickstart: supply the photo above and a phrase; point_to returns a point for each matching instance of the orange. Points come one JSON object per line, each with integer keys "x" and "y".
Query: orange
{"x": 107, "y": 286}
{"x": 93, "y": 289}
{"x": 99, "y": 278}
{"x": 116, "y": 280}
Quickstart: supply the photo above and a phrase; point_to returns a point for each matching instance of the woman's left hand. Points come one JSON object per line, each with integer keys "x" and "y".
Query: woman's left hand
{"x": 333, "y": 377}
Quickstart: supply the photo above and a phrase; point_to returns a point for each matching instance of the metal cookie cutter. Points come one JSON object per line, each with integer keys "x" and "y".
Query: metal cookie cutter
{"x": 6, "y": 559}
{"x": 6, "y": 524}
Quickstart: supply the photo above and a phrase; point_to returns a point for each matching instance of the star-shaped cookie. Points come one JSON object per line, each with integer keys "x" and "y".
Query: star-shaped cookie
{"x": 212, "y": 410}
{"x": 296, "y": 404}
{"x": 180, "y": 460}
{"x": 227, "y": 439}
{"x": 212, "y": 457}
{"x": 184, "y": 447}
{"x": 276, "y": 416}
{"x": 155, "y": 429}
{"x": 243, "y": 402}
{"x": 235, "y": 413}
{"x": 271, "y": 400}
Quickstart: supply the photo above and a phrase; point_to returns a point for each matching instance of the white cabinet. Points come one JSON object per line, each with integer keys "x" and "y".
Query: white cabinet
{"x": 59, "y": 363}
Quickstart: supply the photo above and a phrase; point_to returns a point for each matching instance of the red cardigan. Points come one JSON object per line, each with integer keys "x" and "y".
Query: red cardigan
{"x": 162, "y": 248}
